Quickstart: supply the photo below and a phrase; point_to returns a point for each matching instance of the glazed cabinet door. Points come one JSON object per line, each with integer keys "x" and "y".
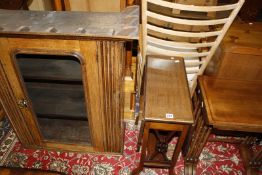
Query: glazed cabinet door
{"x": 54, "y": 93}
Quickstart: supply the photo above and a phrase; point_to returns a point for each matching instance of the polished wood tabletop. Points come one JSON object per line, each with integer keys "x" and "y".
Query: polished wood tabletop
{"x": 167, "y": 94}
{"x": 233, "y": 104}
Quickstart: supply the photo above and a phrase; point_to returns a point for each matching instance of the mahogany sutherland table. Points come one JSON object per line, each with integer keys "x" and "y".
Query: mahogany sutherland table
{"x": 231, "y": 108}
{"x": 168, "y": 112}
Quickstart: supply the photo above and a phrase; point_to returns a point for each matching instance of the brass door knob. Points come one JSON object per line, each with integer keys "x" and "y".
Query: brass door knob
{"x": 23, "y": 103}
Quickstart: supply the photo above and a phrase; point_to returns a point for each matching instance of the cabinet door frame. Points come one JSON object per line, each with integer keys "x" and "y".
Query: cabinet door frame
{"x": 76, "y": 55}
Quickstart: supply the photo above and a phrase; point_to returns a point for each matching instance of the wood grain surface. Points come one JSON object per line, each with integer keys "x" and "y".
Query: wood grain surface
{"x": 170, "y": 95}
{"x": 242, "y": 63}
{"x": 102, "y": 68}
{"x": 233, "y": 104}
{"x": 2, "y": 112}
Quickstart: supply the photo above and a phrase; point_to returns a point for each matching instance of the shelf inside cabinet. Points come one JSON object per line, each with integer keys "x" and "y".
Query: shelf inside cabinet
{"x": 58, "y": 101}
{"x": 49, "y": 67}
{"x": 65, "y": 131}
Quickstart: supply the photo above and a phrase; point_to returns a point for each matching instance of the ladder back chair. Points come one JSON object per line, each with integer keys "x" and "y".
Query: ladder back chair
{"x": 186, "y": 31}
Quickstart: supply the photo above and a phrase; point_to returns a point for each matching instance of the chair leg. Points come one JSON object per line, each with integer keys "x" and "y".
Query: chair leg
{"x": 143, "y": 151}
{"x": 190, "y": 168}
{"x": 140, "y": 136}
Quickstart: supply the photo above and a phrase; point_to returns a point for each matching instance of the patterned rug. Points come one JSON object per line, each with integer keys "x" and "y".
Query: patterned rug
{"x": 216, "y": 158}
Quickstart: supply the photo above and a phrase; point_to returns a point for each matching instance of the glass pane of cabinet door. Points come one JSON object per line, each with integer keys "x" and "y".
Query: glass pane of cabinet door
{"x": 54, "y": 84}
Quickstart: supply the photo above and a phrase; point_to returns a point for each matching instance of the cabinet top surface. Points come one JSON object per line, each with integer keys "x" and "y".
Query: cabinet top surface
{"x": 167, "y": 97}
{"x": 233, "y": 104}
{"x": 123, "y": 25}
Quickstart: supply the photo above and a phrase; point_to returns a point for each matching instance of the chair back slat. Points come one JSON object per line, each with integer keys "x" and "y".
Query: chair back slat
{"x": 175, "y": 44}
{"x": 193, "y": 7}
{"x": 186, "y": 21}
{"x": 168, "y": 30}
{"x": 153, "y": 50}
{"x": 183, "y": 34}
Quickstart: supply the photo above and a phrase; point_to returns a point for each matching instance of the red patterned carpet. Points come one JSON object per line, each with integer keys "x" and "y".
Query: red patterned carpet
{"x": 216, "y": 158}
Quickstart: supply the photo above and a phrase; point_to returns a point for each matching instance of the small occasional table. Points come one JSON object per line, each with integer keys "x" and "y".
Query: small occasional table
{"x": 230, "y": 108}
{"x": 167, "y": 112}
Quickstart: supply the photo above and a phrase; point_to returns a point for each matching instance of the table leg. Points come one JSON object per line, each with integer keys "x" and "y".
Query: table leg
{"x": 252, "y": 161}
{"x": 200, "y": 134}
{"x": 190, "y": 168}
{"x": 178, "y": 148}
{"x": 143, "y": 151}
{"x": 139, "y": 141}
